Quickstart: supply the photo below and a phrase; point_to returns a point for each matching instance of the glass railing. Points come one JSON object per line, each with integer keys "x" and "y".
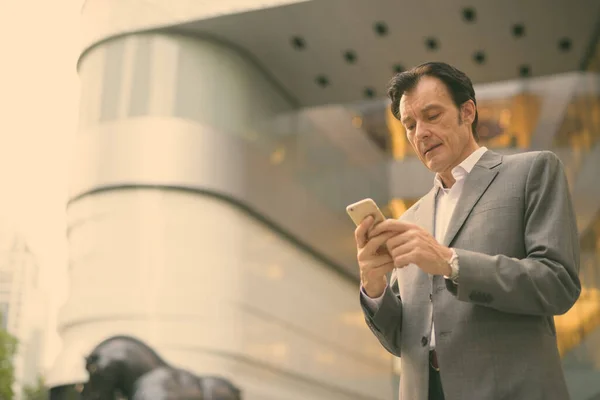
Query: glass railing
{"x": 579, "y": 131}
{"x": 505, "y": 122}
{"x": 583, "y": 319}
{"x": 560, "y": 113}
{"x": 334, "y": 175}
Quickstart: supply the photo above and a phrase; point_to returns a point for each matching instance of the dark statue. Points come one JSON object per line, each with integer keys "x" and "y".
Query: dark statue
{"x": 122, "y": 367}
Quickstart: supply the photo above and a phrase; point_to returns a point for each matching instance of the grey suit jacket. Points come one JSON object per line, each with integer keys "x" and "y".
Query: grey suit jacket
{"x": 515, "y": 234}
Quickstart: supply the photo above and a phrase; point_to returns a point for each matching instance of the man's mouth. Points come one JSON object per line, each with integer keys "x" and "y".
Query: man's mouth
{"x": 431, "y": 148}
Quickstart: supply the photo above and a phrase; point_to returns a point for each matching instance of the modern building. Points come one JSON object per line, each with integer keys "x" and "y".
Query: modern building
{"x": 21, "y": 306}
{"x": 219, "y": 143}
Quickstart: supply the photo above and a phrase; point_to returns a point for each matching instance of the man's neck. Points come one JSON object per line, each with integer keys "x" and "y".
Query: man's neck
{"x": 446, "y": 177}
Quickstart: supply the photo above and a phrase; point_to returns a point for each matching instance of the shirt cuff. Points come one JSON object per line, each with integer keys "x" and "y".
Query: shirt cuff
{"x": 372, "y": 304}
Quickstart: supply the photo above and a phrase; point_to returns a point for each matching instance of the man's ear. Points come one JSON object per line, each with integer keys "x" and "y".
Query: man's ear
{"x": 467, "y": 112}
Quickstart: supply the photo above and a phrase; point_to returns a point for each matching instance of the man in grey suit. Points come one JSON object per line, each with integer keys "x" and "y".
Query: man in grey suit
{"x": 479, "y": 266}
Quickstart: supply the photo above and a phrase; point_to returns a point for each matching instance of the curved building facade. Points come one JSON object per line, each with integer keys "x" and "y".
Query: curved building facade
{"x": 172, "y": 233}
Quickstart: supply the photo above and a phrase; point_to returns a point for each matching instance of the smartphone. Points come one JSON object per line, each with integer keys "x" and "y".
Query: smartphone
{"x": 362, "y": 209}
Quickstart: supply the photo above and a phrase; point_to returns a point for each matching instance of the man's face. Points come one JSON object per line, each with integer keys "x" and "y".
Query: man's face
{"x": 438, "y": 131}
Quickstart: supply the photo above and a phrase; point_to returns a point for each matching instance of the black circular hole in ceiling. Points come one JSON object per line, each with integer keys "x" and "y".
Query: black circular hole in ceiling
{"x": 524, "y": 70}
{"x": 432, "y": 43}
{"x": 518, "y": 30}
{"x": 564, "y": 44}
{"x": 479, "y": 57}
{"x": 322, "y": 81}
{"x": 469, "y": 14}
{"x": 398, "y": 68}
{"x": 350, "y": 57}
{"x": 298, "y": 43}
{"x": 369, "y": 93}
{"x": 380, "y": 28}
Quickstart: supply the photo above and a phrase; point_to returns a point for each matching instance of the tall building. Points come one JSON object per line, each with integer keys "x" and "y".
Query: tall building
{"x": 219, "y": 143}
{"x": 22, "y": 307}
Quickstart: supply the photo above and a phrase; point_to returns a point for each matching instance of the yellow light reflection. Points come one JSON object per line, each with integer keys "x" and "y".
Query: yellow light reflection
{"x": 325, "y": 357}
{"x": 579, "y": 321}
{"x": 584, "y": 317}
{"x": 504, "y": 118}
{"x": 580, "y": 129}
{"x": 357, "y": 121}
{"x": 274, "y": 272}
{"x": 279, "y": 350}
{"x": 277, "y": 156}
{"x": 506, "y": 123}
{"x": 397, "y": 206}
{"x": 400, "y": 146}
{"x": 525, "y": 113}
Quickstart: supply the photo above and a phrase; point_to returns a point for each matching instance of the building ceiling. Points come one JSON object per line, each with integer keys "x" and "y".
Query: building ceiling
{"x": 343, "y": 51}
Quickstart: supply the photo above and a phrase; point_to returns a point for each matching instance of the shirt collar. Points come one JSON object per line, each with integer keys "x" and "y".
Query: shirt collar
{"x": 463, "y": 169}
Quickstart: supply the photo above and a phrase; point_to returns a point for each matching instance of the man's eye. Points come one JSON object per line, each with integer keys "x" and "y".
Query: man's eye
{"x": 410, "y": 127}
{"x": 433, "y": 117}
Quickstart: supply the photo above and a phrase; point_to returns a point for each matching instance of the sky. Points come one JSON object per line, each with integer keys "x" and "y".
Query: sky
{"x": 39, "y": 94}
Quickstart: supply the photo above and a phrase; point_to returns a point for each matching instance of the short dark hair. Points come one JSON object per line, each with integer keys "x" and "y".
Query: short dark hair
{"x": 458, "y": 83}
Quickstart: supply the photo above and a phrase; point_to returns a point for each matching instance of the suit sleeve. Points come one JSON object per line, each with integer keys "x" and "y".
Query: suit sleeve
{"x": 546, "y": 282}
{"x": 386, "y": 321}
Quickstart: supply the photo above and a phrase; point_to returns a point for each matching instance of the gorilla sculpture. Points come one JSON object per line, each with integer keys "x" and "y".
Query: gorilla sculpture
{"x": 122, "y": 367}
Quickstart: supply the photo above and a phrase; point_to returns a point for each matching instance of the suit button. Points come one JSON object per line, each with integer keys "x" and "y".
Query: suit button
{"x": 424, "y": 341}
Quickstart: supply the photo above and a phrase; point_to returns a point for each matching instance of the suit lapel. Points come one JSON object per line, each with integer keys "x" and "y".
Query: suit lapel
{"x": 476, "y": 183}
{"x": 424, "y": 216}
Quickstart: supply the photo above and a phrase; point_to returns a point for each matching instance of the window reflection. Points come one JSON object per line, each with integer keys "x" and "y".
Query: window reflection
{"x": 503, "y": 123}
{"x": 580, "y": 129}
{"x": 584, "y": 318}
{"x": 325, "y": 152}
{"x": 508, "y": 123}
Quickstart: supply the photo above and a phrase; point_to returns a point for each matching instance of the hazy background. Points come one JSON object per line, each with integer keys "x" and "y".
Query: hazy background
{"x": 39, "y": 92}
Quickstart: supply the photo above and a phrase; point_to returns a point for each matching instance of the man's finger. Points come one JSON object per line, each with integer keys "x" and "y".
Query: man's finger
{"x": 404, "y": 259}
{"x": 399, "y": 240}
{"x": 376, "y": 242}
{"x": 360, "y": 233}
{"x": 391, "y": 225}
{"x": 375, "y": 263}
{"x": 402, "y": 249}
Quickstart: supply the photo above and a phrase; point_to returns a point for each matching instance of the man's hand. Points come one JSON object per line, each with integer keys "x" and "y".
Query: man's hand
{"x": 374, "y": 260}
{"x": 410, "y": 244}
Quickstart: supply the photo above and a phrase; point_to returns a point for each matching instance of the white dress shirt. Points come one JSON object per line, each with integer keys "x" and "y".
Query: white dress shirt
{"x": 446, "y": 200}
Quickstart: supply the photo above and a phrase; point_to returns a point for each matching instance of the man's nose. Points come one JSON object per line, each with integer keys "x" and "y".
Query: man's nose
{"x": 421, "y": 131}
